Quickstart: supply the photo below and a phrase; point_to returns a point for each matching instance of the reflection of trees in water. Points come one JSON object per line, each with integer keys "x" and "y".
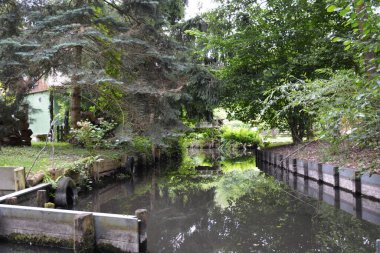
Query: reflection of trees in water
{"x": 337, "y": 231}
{"x": 242, "y": 211}
{"x": 263, "y": 219}
{"x": 16, "y": 248}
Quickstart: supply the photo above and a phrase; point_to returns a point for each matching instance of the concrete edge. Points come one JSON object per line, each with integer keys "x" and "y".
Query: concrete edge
{"x": 25, "y": 191}
{"x": 366, "y": 185}
{"x": 78, "y": 228}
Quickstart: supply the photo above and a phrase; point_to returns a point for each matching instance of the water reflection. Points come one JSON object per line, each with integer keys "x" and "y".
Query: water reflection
{"x": 242, "y": 210}
{"x": 18, "y": 248}
{"x": 209, "y": 203}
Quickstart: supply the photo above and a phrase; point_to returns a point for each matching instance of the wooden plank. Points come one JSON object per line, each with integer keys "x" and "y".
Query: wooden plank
{"x": 19, "y": 178}
{"x": 103, "y": 167}
{"x": 7, "y": 181}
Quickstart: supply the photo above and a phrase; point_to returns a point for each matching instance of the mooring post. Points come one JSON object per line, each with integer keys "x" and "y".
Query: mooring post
{"x": 320, "y": 173}
{"x": 305, "y": 169}
{"x": 84, "y": 233}
{"x": 142, "y": 215}
{"x": 295, "y": 169}
{"x": 357, "y": 183}
{"x": 336, "y": 176}
{"x": 42, "y": 198}
{"x": 19, "y": 177}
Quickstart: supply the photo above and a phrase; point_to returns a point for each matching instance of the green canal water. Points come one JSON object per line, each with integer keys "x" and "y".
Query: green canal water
{"x": 212, "y": 204}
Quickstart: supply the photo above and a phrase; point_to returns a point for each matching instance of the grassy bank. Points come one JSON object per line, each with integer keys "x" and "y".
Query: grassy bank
{"x": 54, "y": 155}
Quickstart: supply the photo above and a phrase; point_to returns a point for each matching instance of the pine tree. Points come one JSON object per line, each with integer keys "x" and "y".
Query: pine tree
{"x": 13, "y": 112}
{"x": 120, "y": 50}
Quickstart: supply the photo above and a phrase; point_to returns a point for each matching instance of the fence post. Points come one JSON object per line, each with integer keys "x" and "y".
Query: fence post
{"x": 142, "y": 215}
{"x": 84, "y": 233}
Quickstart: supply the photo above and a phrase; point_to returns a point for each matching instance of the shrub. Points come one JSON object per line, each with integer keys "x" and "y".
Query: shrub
{"x": 241, "y": 135}
{"x": 200, "y": 137}
{"x": 142, "y": 144}
{"x": 93, "y": 136}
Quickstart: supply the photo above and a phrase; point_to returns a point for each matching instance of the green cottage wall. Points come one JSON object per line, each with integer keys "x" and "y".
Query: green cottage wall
{"x": 39, "y": 116}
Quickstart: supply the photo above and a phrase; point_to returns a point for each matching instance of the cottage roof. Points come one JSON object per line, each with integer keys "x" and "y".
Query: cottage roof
{"x": 51, "y": 81}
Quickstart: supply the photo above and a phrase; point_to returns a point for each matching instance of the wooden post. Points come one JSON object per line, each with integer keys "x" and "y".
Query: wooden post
{"x": 305, "y": 169}
{"x": 19, "y": 177}
{"x": 336, "y": 177}
{"x": 320, "y": 173}
{"x": 280, "y": 161}
{"x": 42, "y": 198}
{"x": 142, "y": 215}
{"x": 295, "y": 170}
{"x": 357, "y": 183}
{"x": 84, "y": 233}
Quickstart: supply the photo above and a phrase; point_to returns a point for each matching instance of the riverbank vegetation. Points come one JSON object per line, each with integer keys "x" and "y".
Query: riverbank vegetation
{"x": 311, "y": 68}
{"x": 137, "y": 77}
{"x": 58, "y": 155}
{"x": 225, "y": 138}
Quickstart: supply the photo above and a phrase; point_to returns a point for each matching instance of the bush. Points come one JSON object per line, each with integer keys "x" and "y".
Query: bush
{"x": 245, "y": 136}
{"x": 345, "y": 105}
{"x": 142, "y": 145}
{"x": 93, "y": 136}
{"x": 200, "y": 137}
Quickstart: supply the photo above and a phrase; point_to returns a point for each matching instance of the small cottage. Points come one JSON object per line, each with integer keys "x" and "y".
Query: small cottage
{"x": 44, "y": 108}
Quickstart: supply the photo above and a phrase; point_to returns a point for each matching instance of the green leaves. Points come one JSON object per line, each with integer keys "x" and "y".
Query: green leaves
{"x": 345, "y": 10}
{"x": 362, "y": 17}
{"x": 336, "y": 39}
{"x": 359, "y": 2}
{"x": 283, "y": 42}
{"x": 331, "y": 8}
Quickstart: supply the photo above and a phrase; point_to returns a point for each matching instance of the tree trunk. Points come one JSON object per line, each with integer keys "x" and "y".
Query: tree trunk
{"x": 66, "y": 123}
{"x": 296, "y": 138}
{"x": 299, "y": 124}
{"x": 75, "y": 105}
{"x": 76, "y": 91}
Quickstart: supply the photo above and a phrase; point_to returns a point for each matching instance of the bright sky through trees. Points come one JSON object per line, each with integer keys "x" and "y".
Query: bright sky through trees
{"x": 196, "y": 7}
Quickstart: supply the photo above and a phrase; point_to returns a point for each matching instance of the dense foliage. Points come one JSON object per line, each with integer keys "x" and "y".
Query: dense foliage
{"x": 228, "y": 139}
{"x": 310, "y": 67}
{"x": 347, "y": 103}
{"x": 120, "y": 61}
{"x": 260, "y": 46}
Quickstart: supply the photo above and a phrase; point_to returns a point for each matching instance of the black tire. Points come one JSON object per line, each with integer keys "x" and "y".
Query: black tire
{"x": 66, "y": 194}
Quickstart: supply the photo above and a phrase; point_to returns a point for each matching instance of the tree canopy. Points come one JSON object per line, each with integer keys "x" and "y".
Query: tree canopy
{"x": 128, "y": 61}
{"x": 265, "y": 49}
{"x": 116, "y": 53}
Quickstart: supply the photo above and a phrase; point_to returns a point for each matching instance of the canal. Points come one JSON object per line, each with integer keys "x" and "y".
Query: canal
{"x": 210, "y": 203}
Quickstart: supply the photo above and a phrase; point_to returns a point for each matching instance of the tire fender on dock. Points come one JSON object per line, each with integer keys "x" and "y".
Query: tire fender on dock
{"x": 66, "y": 194}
